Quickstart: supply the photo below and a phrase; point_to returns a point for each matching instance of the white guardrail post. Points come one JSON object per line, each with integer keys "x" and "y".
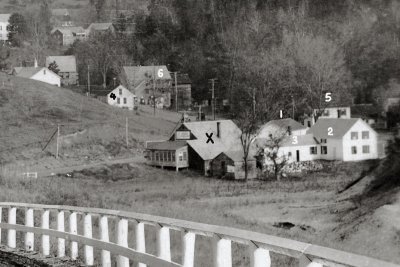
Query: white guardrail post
{"x": 306, "y": 262}
{"x": 163, "y": 243}
{"x": 140, "y": 240}
{"x": 104, "y": 236}
{"x": 122, "y": 240}
{"x": 259, "y": 257}
{"x": 45, "y": 238}
{"x": 61, "y": 228}
{"x": 87, "y": 232}
{"x": 73, "y": 229}
{"x": 222, "y": 251}
{"x": 188, "y": 243}
{"x": 12, "y": 219}
{"x": 29, "y": 237}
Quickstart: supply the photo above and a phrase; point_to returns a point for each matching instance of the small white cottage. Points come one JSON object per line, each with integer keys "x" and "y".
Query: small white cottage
{"x": 122, "y": 98}
{"x": 37, "y": 73}
{"x": 345, "y": 139}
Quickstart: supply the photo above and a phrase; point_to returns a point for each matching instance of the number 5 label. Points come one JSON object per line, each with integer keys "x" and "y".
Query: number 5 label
{"x": 328, "y": 97}
{"x": 330, "y": 131}
{"x": 160, "y": 73}
{"x": 294, "y": 141}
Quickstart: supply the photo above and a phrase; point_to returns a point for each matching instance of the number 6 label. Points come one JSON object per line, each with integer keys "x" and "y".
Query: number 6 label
{"x": 160, "y": 73}
{"x": 330, "y": 131}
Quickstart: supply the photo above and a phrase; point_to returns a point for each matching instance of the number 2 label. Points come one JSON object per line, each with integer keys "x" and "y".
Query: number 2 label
{"x": 330, "y": 131}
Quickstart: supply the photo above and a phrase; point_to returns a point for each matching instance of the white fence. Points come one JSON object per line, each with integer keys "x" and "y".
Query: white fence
{"x": 221, "y": 239}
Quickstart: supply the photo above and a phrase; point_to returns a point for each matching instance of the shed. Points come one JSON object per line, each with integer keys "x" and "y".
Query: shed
{"x": 230, "y": 164}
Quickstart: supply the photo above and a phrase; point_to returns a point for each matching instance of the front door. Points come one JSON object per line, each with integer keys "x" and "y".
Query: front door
{"x": 223, "y": 168}
{"x": 297, "y": 155}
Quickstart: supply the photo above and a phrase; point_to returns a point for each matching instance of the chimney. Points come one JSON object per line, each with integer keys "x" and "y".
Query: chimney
{"x": 36, "y": 64}
{"x": 289, "y": 130}
{"x": 218, "y": 128}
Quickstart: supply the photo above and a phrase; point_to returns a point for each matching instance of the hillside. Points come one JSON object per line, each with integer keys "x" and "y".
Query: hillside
{"x": 30, "y": 112}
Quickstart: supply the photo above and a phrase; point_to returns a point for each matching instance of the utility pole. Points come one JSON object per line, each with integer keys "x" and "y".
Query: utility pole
{"x": 88, "y": 78}
{"x": 58, "y": 137}
{"x": 254, "y": 102}
{"x": 127, "y": 132}
{"x": 292, "y": 107}
{"x": 176, "y": 90}
{"x": 154, "y": 89}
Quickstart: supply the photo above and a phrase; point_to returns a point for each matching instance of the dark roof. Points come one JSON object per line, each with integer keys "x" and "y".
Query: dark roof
{"x": 339, "y": 126}
{"x": 166, "y": 145}
{"x": 285, "y": 123}
{"x": 182, "y": 78}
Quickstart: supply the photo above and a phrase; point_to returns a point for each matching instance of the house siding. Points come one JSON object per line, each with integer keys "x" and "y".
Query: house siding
{"x": 126, "y": 94}
{"x": 45, "y": 75}
{"x": 3, "y": 31}
{"x": 372, "y": 142}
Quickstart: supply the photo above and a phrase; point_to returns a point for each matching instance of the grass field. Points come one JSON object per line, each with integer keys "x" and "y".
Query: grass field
{"x": 309, "y": 204}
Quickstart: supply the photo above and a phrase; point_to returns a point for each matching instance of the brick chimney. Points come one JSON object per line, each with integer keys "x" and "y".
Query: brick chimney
{"x": 36, "y": 64}
{"x": 218, "y": 128}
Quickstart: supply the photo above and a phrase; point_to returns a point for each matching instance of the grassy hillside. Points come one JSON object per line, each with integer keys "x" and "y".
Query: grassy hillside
{"x": 30, "y": 112}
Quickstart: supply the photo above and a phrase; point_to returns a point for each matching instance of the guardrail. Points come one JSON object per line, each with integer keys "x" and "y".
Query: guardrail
{"x": 221, "y": 238}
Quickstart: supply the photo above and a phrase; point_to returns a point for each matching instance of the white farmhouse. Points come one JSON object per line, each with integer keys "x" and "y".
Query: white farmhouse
{"x": 345, "y": 139}
{"x": 3, "y": 26}
{"x": 121, "y": 97}
{"x": 329, "y": 113}
{"x": 282, "y": 126}
{"x": 37, "y": 73}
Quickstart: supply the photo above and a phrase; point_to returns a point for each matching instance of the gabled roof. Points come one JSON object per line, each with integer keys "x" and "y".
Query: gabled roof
{"x": 68, "y": 30}
{"x": 123, "y": 88}
{"x": 229, "y": 137}
{"x": 138, "y": 74}
{"x": 29, "y": 72}
{"x": 166, "y": 145}
{"x": 285, "y": 123}
{"x": 103, "y": 26}
{"x": 339, "y": 127}
{"x": 4, "y": 17}
{"x": 64, "y": 63}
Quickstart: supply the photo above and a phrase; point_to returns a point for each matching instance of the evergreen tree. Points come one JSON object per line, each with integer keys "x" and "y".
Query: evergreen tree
{"x": 17, "y": 29}
{"x": 54, "y": 67}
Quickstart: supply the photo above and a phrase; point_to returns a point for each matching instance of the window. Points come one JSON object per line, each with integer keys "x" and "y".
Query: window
{"x": 365, "y": 135}
{"x": 67, "y": 75}
{"x": 323, "y": 141}
{"x": 353, "y": 150}
{"x": 365, "y": 149}
{"x": 354, "y": 135}
{"x": 120, "y": 91}
{"x": 326, "y": 112}
{"x": 180, "y": 157}
{"x": 1, "y": 28}
{"x": 124, "y": 100}
{"x": 324, "y": 150}
{"x": 289, "y": 154}
{"x": 157, "y": 158}
{"x": 313, "y": 150}
{"x": 173, "y": 156}
{"x": 184, "y": 156}
{"x": 118, "y": 101}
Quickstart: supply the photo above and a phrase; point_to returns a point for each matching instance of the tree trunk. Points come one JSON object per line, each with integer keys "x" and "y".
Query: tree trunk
{"x": 245, "y": 169}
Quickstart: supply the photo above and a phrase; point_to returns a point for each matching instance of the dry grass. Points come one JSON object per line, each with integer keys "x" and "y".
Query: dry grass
{"x": 256, "y": 205}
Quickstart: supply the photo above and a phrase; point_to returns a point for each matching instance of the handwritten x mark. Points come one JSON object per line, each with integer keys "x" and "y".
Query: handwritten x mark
{"x": 209, "y": 136}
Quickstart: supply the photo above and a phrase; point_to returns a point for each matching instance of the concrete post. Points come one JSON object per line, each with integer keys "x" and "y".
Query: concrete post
{"x": 73, "y": 229}
{"x": 61, "y": 228}
{"x": 222, "y": 252}
{"x": 87, "y": 232}
{"x": 122, "y": 240}
{"x": 140, "y": 241}
{"x": 259, "y": 257}
{"x": 45, "y": 238}
{"x": 11, "y": 236}
{"x": 188, "y": 242}
{"x": 163, "y": 243}
{"x": 104, "y": 236}
{"x": 29, "y": 236}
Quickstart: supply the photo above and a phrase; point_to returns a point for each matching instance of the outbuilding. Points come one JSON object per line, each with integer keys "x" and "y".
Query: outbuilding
{"x": 122, "y": 98}
{"x": 230, "y": 164}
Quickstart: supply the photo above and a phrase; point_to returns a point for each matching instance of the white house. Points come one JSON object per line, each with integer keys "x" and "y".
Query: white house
{"x": 282, "y": 126}
{"x": 345, "y": 139}
{"x": 329, "y": 113}
{"x": 37, "y": 73}
{"x": 3, "y": 26}
{"x": 121, "y": 97}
